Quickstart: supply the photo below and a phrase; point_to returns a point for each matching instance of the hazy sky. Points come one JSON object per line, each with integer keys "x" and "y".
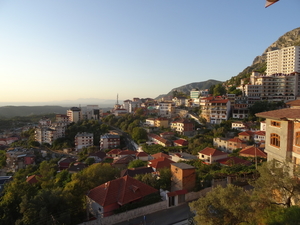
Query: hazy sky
{"x": 70, "y": 49}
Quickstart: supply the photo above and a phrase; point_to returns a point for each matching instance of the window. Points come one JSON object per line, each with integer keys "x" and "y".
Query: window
{"x": 297, "y": 142}
{"x": 275, "y": 140}
{"x": 275, "y": 123}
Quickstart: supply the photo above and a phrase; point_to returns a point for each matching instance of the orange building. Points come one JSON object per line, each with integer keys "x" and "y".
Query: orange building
{"x": 183, "y": 177}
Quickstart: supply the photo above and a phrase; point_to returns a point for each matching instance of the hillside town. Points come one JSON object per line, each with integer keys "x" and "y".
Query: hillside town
{"x": 147, "y": 155}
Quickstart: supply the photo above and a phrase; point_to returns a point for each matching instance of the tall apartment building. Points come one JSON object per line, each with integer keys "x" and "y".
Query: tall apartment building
{"x": 109, "y": 141}
{"x": 215, "y": 110}
{"x": 166, "y": 109}
{"x": 83, "y": 140}
{"x": 275, "y": 87}
{"x": 285, "y": 61}
{"x": 50, "y": 132}
{"x": 74, "y": 114}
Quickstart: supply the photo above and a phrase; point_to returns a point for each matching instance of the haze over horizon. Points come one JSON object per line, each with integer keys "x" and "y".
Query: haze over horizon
{"x": 52, "y": 51}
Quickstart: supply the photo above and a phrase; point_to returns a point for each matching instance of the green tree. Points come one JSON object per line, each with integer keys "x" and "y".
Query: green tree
{"x": 223, "y": 206}
{"x": 139, "y": 133}
{"x": 136, "y": 163}
{"x": 277, "y": 184}
{"x": 89, "y": 161}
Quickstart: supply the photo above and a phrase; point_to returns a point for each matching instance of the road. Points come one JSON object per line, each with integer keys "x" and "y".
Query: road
{"x": 164, "y": 217}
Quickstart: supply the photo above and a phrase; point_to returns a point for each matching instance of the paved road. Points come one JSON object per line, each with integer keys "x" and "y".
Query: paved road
{"x": 164, "y": 217}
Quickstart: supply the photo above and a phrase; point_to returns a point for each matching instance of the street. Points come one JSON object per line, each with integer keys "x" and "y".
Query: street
{"x": 165, "y": 217}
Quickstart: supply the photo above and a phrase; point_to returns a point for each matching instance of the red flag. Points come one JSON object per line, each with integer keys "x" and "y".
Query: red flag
{"x": 270, "y": 2}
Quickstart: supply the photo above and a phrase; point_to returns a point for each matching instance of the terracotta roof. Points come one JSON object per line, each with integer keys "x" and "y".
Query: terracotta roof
{"x": 160, "y": 163}
{"x": 237, "y": 140}
{"x": 127, "y": 152}
{"x": 121, "y": 191}
{"x": 181, "y": 142}
{"x": 233, "y": 160}
{"x": 246, "y": 133}
{"x": 114, "y": 151}
{"x": 32, "y": 179}
{"x": 139, "y": 154}
{"x": 212, "y": 152}
{"x": 279, "y": 114}
{"x": 294, "y": 103}
{"x": 160, "y": 155}
{"x": 159, "y": 138}
{"x": 124, "y": 160}
{"x": 252, "y": 152}
{"x": 262, "y": 133}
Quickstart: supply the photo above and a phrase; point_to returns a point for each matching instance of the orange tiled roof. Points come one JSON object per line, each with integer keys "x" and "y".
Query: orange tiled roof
{"x": 246, "y": 133}
{"x": 160, "y": 163}
{"x": 233, "y": 160}
{"x": 141, "y": 154}
{"x": 260, "y": 132}
{"x": 120, "y": 191}
{"x": 160, "y": 155}
{"x": 114, "y": 151}
{"x": 212, "y": 152}
{"x": 286, "y": 113}
{"x": 236, "y": 140}
{"x": 252, "y": 152}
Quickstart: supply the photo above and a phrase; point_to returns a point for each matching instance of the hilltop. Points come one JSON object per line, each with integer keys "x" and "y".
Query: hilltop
{"x": 291, "y": 38}
{"x": 188, "y": 87}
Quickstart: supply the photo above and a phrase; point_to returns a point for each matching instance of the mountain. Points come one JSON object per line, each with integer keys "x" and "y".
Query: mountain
{"x": 12, "y": 111}
{"x": 188, "y": 87}
{"x": 291, "y": 38}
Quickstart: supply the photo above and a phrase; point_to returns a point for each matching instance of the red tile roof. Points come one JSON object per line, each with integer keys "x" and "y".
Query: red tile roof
{"x": 252, "y": 152}
{"x": 32, "y": 179}
{"x": 181, "y": 142}
{"x": 114, "y": 151}
{"x": 236, "y": 140}
{"x": 127, "y": 152}
{"x": 159, "y": 155}
{"x": 262, "y": 133}
{"x": 121, "y": 191}
{"x": 246, "y": 133}
{"x": 212, "y": 152}
{"x": 160, "y": 163}
{"x": 233, "y": 160}
{"x": 139, "y": 154}
{"x": 286, "y": 113}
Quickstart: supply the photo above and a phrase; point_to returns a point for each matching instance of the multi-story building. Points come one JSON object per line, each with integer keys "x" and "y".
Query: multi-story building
{"x": 161, "y": 122}
{"x": 282, "y": 140}
{"x": 109, "y": 141}
{"x": 62, "y": 118}
{"x": 215, "y": 110}
{"x": 195, "y": 94}
{"x": 48, "y": 134}
{"x": 130, "y": 106}
{"x": 240, "y": 108}
{"x": 183, "y": 127}
{"x": 74, "y": 114}
{"x": 83, "y": 140}
{"x": 166, "y": 109}
{"x": 92, "y": 112}
{"x": 183, "y": 177}
{"x": 285, "y": 61}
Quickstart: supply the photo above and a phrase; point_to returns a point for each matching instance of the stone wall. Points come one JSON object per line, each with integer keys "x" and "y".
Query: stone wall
{"x": 129, "y": 214}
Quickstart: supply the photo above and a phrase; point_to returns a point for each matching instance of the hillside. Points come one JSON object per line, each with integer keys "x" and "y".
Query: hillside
{"x": 188, "y": 87}
{"x": 12, "y": 111}
{"x": 291, "y": 38}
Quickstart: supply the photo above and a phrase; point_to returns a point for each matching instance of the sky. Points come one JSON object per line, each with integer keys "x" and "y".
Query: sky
{"x": 56, "y": 50}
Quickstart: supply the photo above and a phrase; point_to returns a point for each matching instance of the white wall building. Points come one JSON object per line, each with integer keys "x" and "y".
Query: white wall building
{"x": 83, "y": 140}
